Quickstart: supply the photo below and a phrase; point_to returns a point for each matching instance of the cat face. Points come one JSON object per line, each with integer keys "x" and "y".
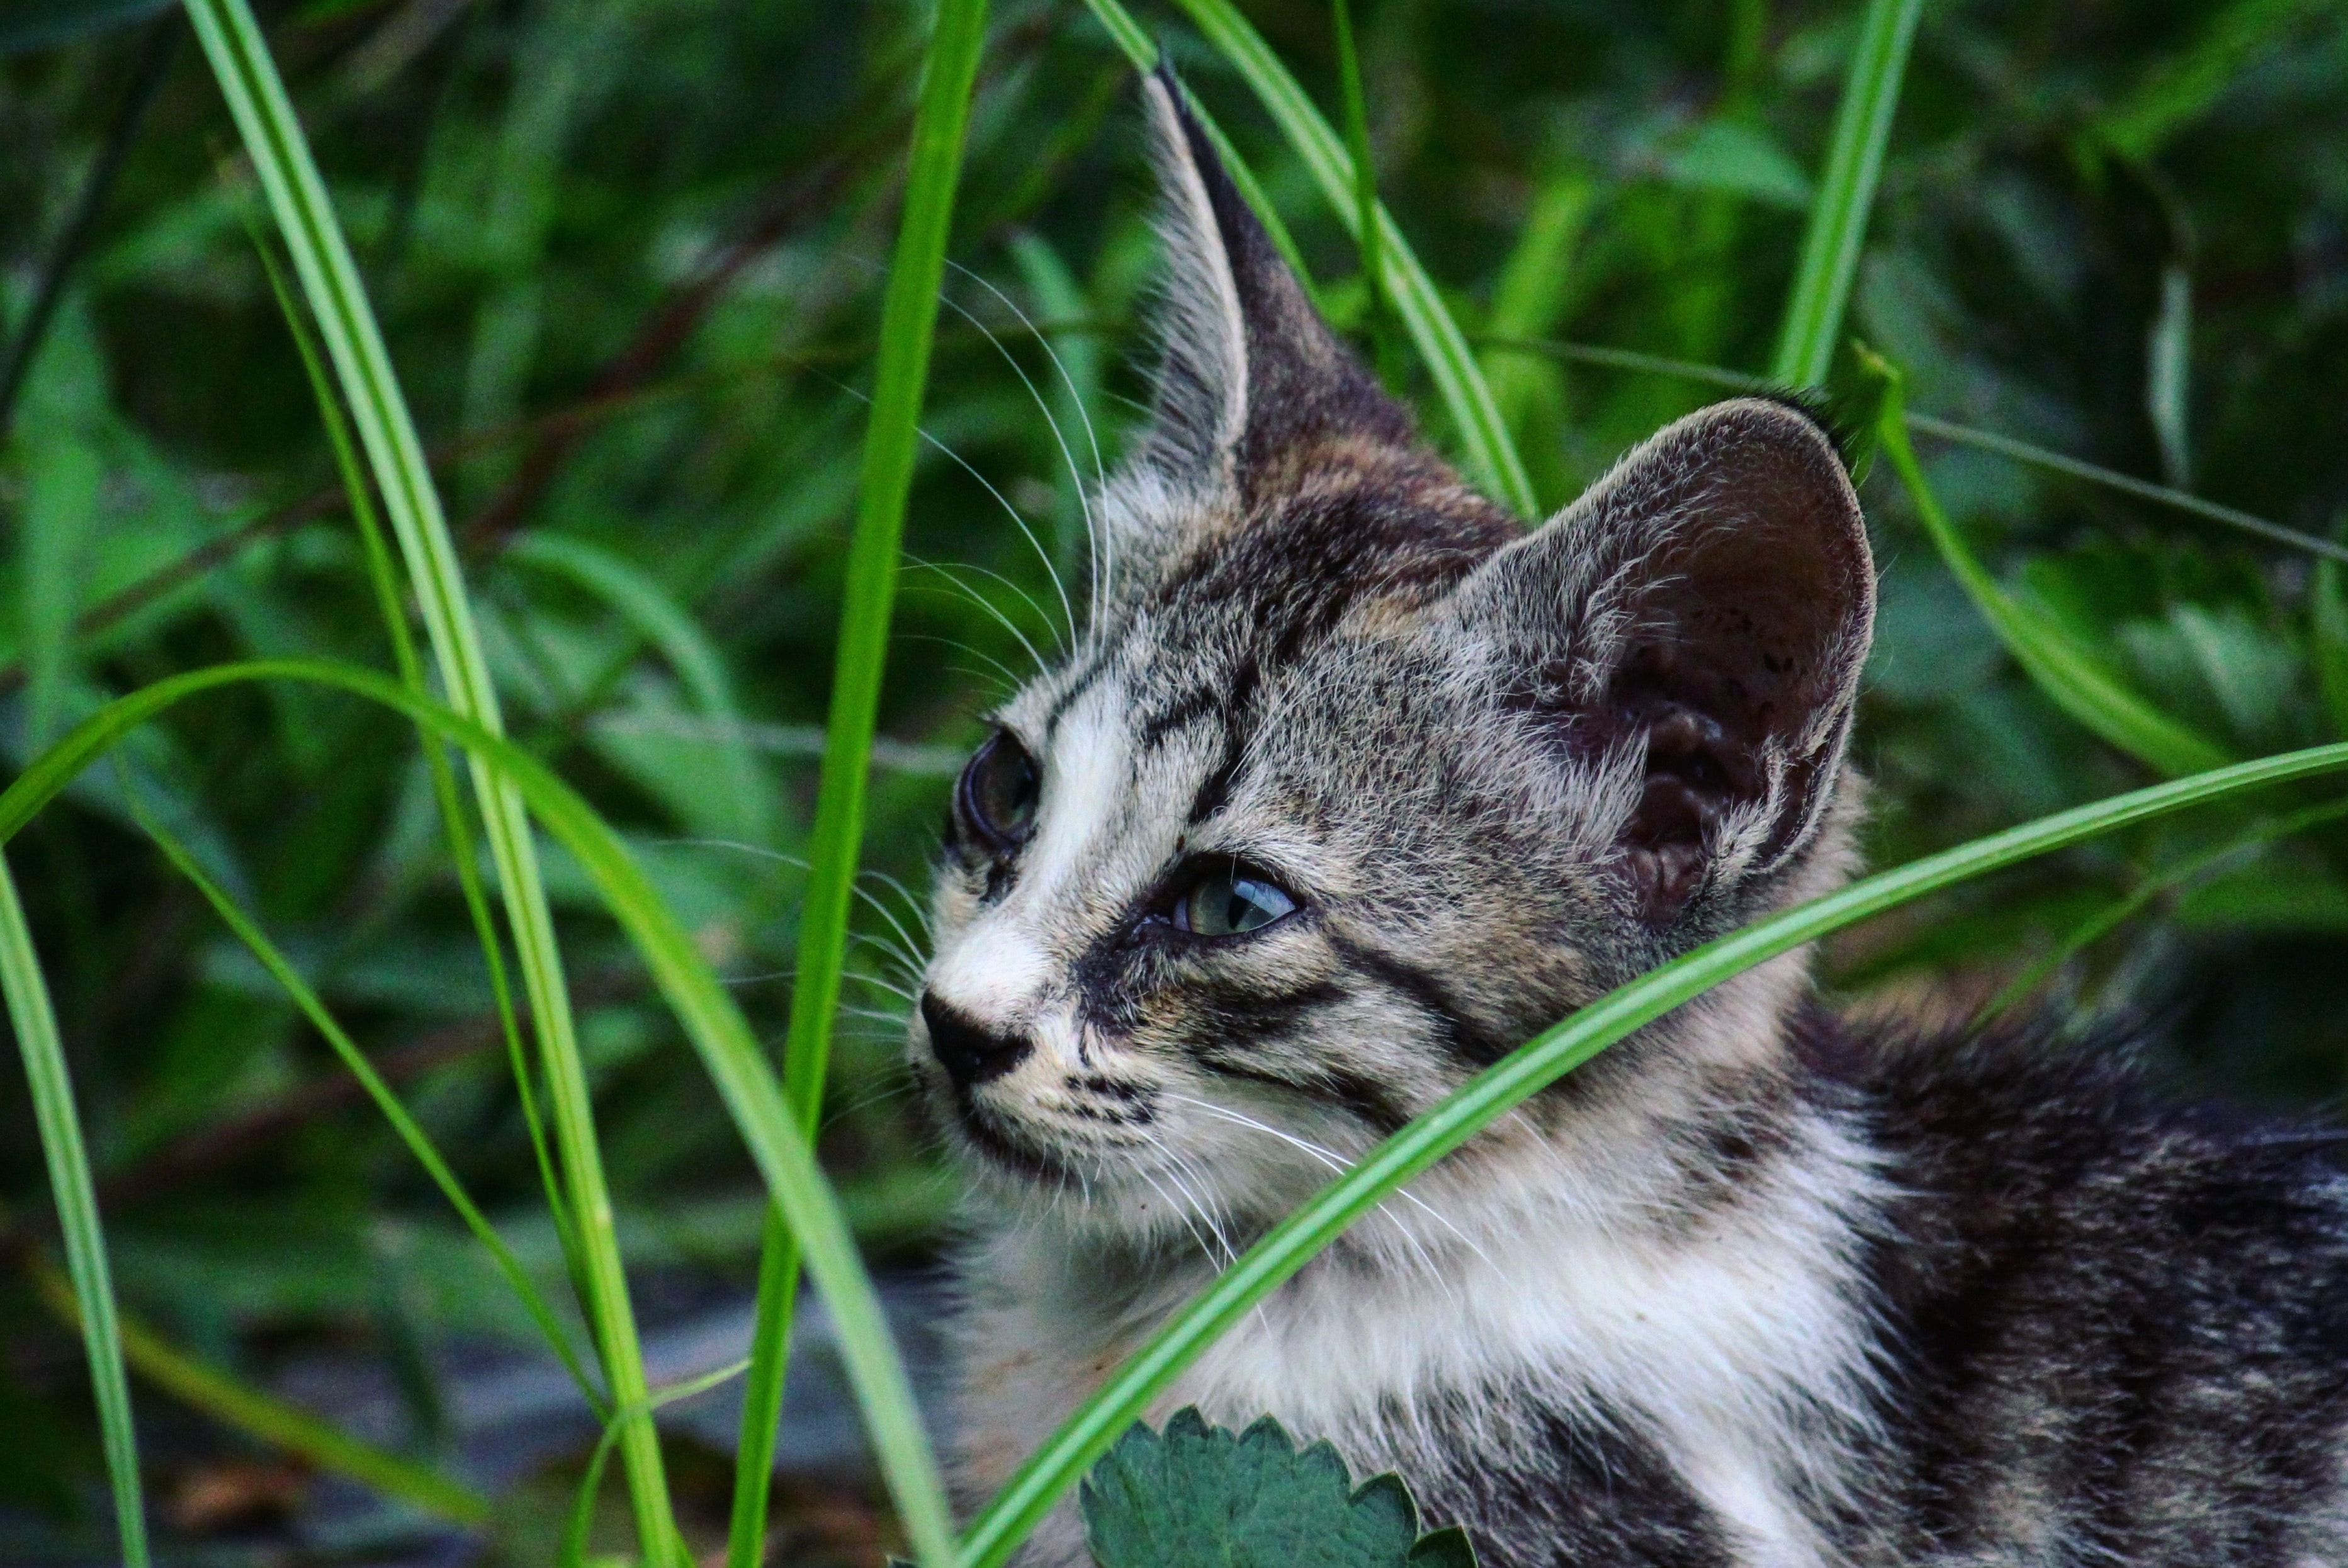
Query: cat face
{"x": 1352, "y": 785}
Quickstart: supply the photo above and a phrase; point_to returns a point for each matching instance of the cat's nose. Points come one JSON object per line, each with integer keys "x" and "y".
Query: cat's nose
{"x": 969, "y": 1051}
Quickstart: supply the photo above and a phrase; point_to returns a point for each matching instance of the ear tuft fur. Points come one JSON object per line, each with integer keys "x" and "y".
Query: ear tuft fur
{"x": 1250, "y": 374}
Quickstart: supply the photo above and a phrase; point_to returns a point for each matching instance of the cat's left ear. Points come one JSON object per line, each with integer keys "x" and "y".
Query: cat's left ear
{"x": 1249, "y": 373}
{"x": 1701, "y": 615}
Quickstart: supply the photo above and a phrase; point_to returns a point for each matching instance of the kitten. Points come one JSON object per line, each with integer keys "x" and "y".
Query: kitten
{"x": 1352, "y": 787}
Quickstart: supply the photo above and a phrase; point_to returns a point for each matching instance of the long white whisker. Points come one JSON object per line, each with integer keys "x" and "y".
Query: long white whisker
{"x": 762, "y": 851}
{"x": 1011, "y": 680}
{"x": 1075, "y": 395}
{"x": 1183, "y": 1215}
{"x": 1092, "y": 437}
{"x": 1334, "y": 1162}
{"x": 889, "y": 947}
{"x": 1051, "y": 423}
{"x": 1041, "y": 614}
{"x": 908, "y": 946}
{"x": 1175, "y": 1169}
{"x": 913, "y": 905}
{"x": 1003, "y": 499}
{"x": 984, "y": 603}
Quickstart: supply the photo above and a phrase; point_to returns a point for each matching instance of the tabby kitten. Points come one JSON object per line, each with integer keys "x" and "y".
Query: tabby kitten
{"x": 1353, "y": 786}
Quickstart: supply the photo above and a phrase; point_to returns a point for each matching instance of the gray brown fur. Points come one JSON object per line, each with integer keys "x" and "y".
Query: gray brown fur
{"x": 1755, "y": 1287}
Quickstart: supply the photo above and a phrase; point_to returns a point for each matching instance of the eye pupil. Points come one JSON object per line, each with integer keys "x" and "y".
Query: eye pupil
{"x": 998, "y": 793}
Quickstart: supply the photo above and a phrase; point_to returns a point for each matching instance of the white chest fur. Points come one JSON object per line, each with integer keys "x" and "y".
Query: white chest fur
{"x": 1733, "y": 1340}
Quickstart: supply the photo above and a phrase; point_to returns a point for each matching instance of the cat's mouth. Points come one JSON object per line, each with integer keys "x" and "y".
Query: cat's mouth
{"x": 1002, "y": 1144}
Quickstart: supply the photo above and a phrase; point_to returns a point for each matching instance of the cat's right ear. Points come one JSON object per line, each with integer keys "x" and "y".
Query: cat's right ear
{"x": 1699, "y": 617}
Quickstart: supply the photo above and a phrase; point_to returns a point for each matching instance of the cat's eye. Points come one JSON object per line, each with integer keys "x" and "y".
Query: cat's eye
{"x": 1231, "y": 901}
{"x": 995, "y": 800}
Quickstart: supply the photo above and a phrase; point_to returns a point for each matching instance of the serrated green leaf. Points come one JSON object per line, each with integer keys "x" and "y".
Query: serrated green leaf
{"x": 1200, "y": 1496}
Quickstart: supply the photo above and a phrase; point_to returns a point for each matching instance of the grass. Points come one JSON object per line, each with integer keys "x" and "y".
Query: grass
{"x": 1812, "y": 327}
{"x": 288, "y": 173}
{"x": 688, "y": 571}
{"x": 33, "y": 1017}
{"x": 907, "y": 326}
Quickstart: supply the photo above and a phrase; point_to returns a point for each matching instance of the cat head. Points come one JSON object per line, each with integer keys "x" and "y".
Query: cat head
{"x": 1354, "y": 785}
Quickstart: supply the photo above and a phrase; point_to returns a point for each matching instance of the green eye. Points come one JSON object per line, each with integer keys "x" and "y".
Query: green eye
{"x": 1231, "y": 903}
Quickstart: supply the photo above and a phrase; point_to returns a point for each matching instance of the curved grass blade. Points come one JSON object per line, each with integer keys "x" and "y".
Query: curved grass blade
{"x": 2110, "y": 918}
{"x": 35, "y": 1018}
{"x": 2079, "y": 681}
{"x": 1931, "y": 425}
{"x": 385, "y": 579}
{"x": 714, "y": 1026}
{"x": 289, "y": 175}
{"x": 574, "y": 1552}
{"x": 1492, "y": 455}
{"x": 1540, "y": 1061}
{"x": 249, "y": 1410}
{"x": 909, "y": 315}
{"x": 660, "y": 620}
{"x": 271, "y": 958}
{"x": 2126, "y": 484}
{"x": 1870, "y": 97}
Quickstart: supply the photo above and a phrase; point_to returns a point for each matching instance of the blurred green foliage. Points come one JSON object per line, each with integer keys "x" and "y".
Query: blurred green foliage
{"x": 629, "y": 259}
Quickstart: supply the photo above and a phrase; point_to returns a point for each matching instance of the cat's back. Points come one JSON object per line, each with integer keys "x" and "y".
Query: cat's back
{"x": 2116, "y": 1327}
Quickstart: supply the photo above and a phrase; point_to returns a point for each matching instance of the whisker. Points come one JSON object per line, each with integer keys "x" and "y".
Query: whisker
{"x": 1092, "y": 437}
{"x": 913, "y": 905}
{"x": 1183, "y": 1215}
{"x": 1041, "y": 614}
{"x": 1330, "y": 1158}
{"x": 984, "y": 603}
{"x": 1041, "y": 404}
{"x": 910, "y": 946}
{"x": 866, "y": 398}
{"x": 1052, "y": 423}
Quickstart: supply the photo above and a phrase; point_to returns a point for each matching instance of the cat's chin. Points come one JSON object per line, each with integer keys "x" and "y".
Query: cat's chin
{"x": 998, "y": 1152}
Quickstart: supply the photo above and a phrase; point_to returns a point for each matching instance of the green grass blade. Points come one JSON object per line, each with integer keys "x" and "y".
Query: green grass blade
{"x": 1120, "y": 1401}
{"x": 714, "y": 1026}
{"x": 384, "y": 577}
{"x": 272, "y": 959}
{"x": 660, "y": 620}
{"x": 2079, "y": 681}
{"x": 1931, "y": 425}
{"x": 1492, "y": 455}
{"x": 1870, "y": 97}
{"x": 1365, "y": 193}
{"x": 35, "y": 1021}
{"x": 2110, "y": 918}
{"x": 66, "y": 477}
{"x": 322, "y": 261}
{"x": 2126, "y": 484}
{"x": 909, "y": 315}
{"x": 2185, "y": 87}
{"x": 2330, "y": 615}
{"x": 249, "y": 1410}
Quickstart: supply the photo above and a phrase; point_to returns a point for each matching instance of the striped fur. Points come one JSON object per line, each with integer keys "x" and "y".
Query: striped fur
{"x": 1754, "y": 1286}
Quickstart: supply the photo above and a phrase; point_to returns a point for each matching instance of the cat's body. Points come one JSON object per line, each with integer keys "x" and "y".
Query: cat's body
{"x": 1348, "y": 790}
{"x": 1930, "y": 1302}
